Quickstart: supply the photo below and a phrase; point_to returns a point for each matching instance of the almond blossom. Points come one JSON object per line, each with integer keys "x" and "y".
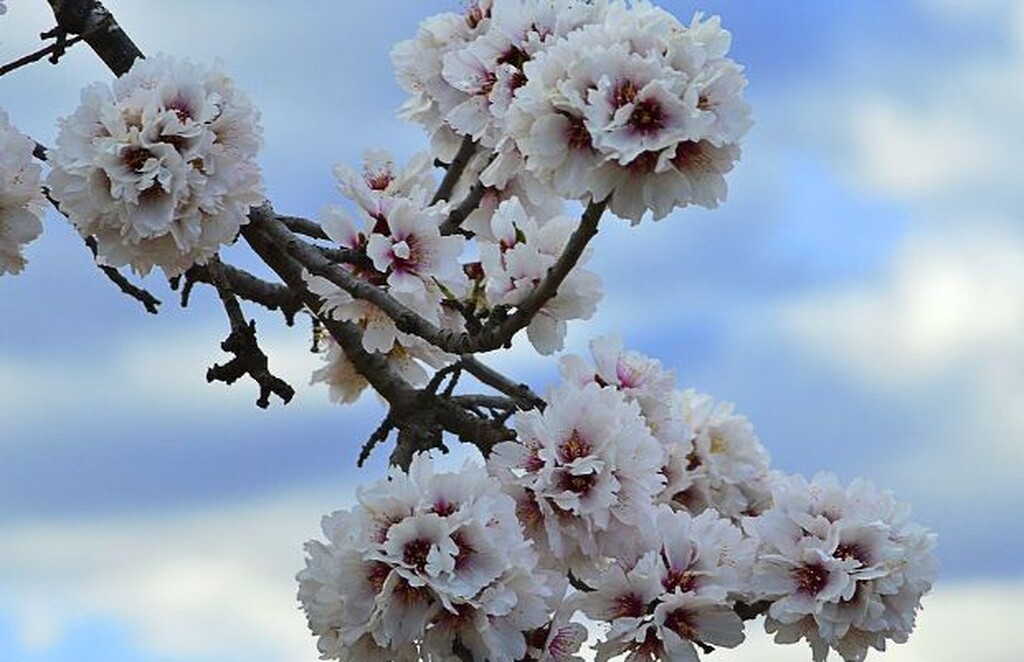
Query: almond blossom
{"x": 637, "y": 107}
{"x": 519, "y": 259}
{"x": 844, "y": 568}
{"x": 427, "y": 562}
{"x": 587, "y": 467}
{"x": 159, "y": 167}
{"x": 677, "y": 596}
{"x": 21, "y": 197}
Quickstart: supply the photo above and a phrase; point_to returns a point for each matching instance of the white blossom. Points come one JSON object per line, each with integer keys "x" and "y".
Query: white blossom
{"x": 423, "y": 561}
{"x": 411, "y": 252}
{"x": 637, "y": 107}
{"x": 159, "y": 167}
{"x": 519, "y": 259}
{"x": 21, "y": 197}
{"x": 844, "y": 568}
{"x": 585, "y": 469}
{"x": 719, "y": 464}
{"x": 679, "y": 593}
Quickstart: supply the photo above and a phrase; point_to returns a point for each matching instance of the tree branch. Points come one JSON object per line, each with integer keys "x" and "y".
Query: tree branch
{"x": 55, "y": 50}
{"x": 272, "y": 296}
{"x": 455, "y": 170}
{"x": 249, "y": 358}
{"x": 519, "y": 393}
{"x": 94, "y": 23}
{"x": 300, "y": 225}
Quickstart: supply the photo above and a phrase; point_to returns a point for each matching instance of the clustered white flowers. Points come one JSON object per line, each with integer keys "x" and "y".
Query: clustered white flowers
{"x": 159, "y": 167}
{"x": 427, "y": 564}
{"x": 844, "y": 568}
{"x": 649, "y": 510}
{"x": 661, "y": 507}
{"x": 593, "y": 99}
{"x": 21, "y": 198}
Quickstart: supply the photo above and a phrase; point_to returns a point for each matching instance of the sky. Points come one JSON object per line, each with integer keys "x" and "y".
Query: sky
{"x": 860, "y": 297}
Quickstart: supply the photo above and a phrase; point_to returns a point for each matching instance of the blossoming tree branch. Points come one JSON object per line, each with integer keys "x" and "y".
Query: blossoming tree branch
{"x": 615, "y": 511}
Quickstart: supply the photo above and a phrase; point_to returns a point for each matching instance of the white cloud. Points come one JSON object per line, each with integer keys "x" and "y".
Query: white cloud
{"x": 217, "y": 584}
{"x": 946, "y": 135}
{"x": 948, "y": 300}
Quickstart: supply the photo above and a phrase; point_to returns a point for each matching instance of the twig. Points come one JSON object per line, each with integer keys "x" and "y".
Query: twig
{"x": 148, "y": 301}
{"x": 464, "y": 209}
{"x": 249, "y": 358}
{"x": 455, "y": 170}
{"x": 272, "y": 296}
{"x": 379, "y": 436}
{"x": 520, "y": 393}
{"x": 300, "y": 225}
{"x": 56, "y": 49}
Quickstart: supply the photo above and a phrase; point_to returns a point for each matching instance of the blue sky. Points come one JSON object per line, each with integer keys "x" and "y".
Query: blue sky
{"x": 860, "y": 297}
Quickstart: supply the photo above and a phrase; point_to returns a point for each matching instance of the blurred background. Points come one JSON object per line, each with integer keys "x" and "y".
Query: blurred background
{"x": 860, "y": 297}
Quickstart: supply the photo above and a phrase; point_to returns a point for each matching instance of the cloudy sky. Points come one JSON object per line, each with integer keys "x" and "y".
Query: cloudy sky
{"x": 860, "y": 297}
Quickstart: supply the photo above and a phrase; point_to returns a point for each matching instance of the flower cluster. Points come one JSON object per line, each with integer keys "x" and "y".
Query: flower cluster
{"x": 160, "y": 168}
{"x": 519, "y": 257}
{"x": 679, "y": 594}
{"x": 844, "y": 568}
{"x": 428, "y": 564}
{"x": 400, "y": 249}
{"x": 584, "y": 473}
{"x": 21, "y": 198}
{"x": 395, "y": 243}
{"x": 658, "y": 503}
{"x": 593, "y": 99}
{"x": 711, "y": 456}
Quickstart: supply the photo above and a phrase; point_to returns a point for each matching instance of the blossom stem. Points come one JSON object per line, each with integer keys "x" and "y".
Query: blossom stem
{"x": 455, "y": 170}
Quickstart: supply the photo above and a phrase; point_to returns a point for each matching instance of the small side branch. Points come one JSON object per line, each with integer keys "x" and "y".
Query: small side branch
{"x": 249, "y": 358}
{"x": 54, "y": 50}
{"x": 469, "y": 204}
{"x": 272, "y": 296}
{"x": 500, "y": 332}
{"x": 303, "y": 226}
{"x": 519, "y": 393}
{"x": 454, "y": 170}
{"x": 148, "y": 301}
{"x": 379, "y": 436}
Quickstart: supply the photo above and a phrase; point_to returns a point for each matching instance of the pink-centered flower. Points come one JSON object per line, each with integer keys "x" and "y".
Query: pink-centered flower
{"x": 160, "y": 167}
{"x": 21, "y": 198}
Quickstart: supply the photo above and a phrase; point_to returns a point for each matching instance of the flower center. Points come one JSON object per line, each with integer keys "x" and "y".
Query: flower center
{"x": 574, "y": 448}
{"x": 625, "y": 92}
{"x": 415, "y": 553}
{"x": 680, "y": 621}
{"x": 811, "y": 578}
{"x": 628, "y": 605}
{"x": 576, "y": 483}
{"x": 690, "y": 156}
{"x": 647, "y": 117}
{"x": 376, "y": 575}
{"x": 576, "y": 134}
{"x": 134, "y": 158}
